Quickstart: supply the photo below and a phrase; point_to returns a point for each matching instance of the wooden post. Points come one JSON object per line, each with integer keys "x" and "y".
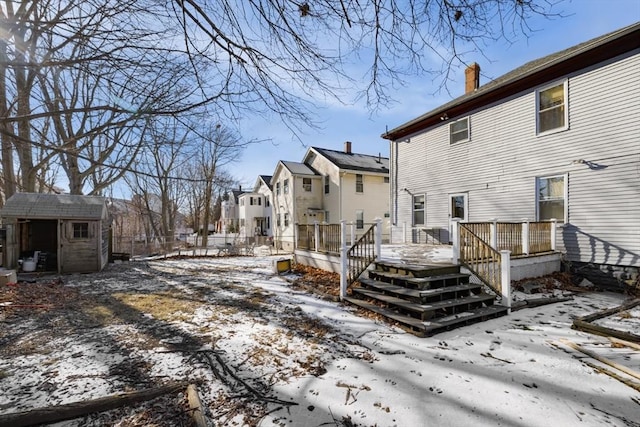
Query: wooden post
{"x": 505, "y": 279}
{"x": 343, "y": 259}
{"x": 316, "y": 235}
{"x": 455, "y": 239}
{"x": 553, "y": 233}
{"x": 404, "y": 232}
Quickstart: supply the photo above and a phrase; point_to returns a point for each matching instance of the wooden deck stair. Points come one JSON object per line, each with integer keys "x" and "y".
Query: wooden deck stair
{"x": 424, "y": 299}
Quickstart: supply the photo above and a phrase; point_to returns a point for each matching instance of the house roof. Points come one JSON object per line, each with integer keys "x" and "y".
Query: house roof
{"x": 266, "y": 179}
{"x": 531, "y": 74}
{"x": 298, "y": 168}
{"x": 355, "y": 161}
{"x": 50, "y": 206}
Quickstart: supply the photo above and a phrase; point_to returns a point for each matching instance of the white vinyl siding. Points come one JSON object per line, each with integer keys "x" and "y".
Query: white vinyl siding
{"x": 498, "y": 171}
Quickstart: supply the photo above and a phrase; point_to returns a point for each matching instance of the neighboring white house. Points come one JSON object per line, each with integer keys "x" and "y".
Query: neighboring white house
{"x": 230, "y": 212}
{"x": 556, "y": 138}
{"x": 329, "y": 186}
{"x": 255, "y": 209}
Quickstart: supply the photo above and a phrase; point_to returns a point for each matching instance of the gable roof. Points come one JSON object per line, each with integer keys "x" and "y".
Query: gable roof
{"x": 531, "y": 74}
{"x": 266, "y": 180}
{"x": 50, "y": 206}
{"x": 354, "y": 161}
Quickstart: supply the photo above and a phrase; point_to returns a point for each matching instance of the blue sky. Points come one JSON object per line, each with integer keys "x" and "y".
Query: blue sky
{"x": 339, "y": 123}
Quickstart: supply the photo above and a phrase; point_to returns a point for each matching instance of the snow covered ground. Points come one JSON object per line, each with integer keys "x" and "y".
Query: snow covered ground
{"x": 306, "y": 361}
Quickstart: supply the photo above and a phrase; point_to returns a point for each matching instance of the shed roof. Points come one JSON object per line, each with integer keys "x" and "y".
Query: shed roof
{"x": 54, "y": 206}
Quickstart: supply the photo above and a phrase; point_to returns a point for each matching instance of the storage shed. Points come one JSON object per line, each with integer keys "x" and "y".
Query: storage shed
{"x": 56, "y": 232}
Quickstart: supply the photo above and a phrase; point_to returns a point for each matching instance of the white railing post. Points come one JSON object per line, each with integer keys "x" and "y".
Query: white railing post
{"x": 525, "y": 236}
{"x": 493, "y": 233}
{"x": 343, "y": 259}
{"x": 404, "y": 232}
{"x": 353, "y": 233}
{"x": 316, "y": 235}
{"x": 378, "y": 238}
{"x": 505, "y": 279}
{"x": 554, "y": 232}
{"x": 455, "y": 240}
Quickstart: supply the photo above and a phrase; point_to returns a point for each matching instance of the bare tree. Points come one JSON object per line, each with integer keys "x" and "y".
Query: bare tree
{"x": 79, "y": 79}
{"x": 278, "y": 55}
{"x": 156, "y": 183}
{"x": 214, "y": 147}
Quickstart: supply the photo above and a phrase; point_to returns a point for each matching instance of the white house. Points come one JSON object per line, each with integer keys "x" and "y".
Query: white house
{"x": 230, "y": 212}
{"x": 329, "y": 186}
{"x": 255, "y": 209}
{"x": 558, "y": 138}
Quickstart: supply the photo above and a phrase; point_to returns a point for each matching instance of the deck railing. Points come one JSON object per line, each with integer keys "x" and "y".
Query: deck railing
{"x": 520, "y": 238}
{"x": 361, "y": 255}
{"x": 479, "y": 257}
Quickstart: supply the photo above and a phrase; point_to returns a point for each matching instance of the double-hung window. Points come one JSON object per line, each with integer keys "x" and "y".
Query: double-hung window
{"x": 326, "y": 184}
{"x": 418, "y": 210}
{"x": 285, "y": 187}
{"x": 359, "y": 183}
{"x": 359, "y": 219}
{"x": 278, "y": 188}
{"x": 306, "y": 184}
{"x": 459, "y": 130}
{"x": 551, "y": 198}
{"x": 552, "y": 108}
{"x": 286, "y": 219}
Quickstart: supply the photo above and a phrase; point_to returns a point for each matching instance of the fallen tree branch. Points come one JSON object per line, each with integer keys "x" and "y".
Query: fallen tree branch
{"x": 69, "y": 411}
{"x": 195, "y": 405}
{"x": 226, "y": 370}
{"x": 493, "y": 357}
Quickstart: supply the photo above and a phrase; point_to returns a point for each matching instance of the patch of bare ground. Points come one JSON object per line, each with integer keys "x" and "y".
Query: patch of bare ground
{"x": 116, "y": 328}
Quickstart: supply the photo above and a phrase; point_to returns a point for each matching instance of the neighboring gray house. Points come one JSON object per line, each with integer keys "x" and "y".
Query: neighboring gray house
{"x": 69, "y": 233}
{"x": 556, "y": 138}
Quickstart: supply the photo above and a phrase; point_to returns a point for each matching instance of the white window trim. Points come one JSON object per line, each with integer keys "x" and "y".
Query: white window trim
{"x": 468, "y": 119}
{"x": 565, "y": 84}
{"x": 424, "y": 210}
{"x": 465, "y": 207}
{"x": 565, "y": 195}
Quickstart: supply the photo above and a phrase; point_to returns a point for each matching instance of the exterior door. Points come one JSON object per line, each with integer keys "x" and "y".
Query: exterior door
{"x": 458, "y": 208}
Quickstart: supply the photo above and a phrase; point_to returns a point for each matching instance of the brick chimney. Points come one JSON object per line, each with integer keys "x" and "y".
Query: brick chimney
{"x": 471, "y": 78}
{"x": 347, "y": 147}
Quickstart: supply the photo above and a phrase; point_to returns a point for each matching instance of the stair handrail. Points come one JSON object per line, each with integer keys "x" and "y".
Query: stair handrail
{"x": 360, "y": 255}
{"x": 481, "y": 259}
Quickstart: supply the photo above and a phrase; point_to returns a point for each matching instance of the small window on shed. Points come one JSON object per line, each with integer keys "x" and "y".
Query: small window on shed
{"x": 80, "y": 230}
